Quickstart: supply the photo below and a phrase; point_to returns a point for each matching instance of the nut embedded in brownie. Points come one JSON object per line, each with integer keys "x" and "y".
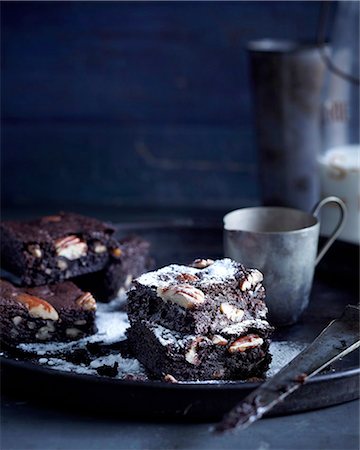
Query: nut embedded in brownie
{"x": 55, "y": 248}
{"x": 200, "y": 299}
{"x": 132, "y": 260}
{"x": 58, "y": 312}
{"x": 196, "y": 357}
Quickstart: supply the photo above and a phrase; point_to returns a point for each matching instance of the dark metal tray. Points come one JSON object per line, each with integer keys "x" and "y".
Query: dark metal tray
{"x": 335, "y": 285}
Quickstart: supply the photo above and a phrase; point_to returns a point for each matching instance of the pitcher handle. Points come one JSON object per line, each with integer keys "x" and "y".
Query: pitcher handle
{"x": 339, "y": 226}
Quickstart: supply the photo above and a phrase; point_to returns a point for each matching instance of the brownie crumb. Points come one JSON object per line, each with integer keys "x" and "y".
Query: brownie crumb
{"x": 108, "y": 371}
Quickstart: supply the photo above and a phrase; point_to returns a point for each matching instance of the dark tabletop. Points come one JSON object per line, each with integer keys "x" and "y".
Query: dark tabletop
{"x": 25, "y": 426}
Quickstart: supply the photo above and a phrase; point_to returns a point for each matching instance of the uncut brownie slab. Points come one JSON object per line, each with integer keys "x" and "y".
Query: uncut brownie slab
{"x": 237, "y": 353}
{"x": 118, "y": 274}
{"x": 58, "y": 312}
{"x": 199, "y": 299}
{"x": 55, "y": 248}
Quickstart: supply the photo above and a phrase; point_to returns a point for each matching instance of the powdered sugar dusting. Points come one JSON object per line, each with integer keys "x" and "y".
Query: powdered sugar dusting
{"x": 220, "y": 271}
{"x": 111, "y": 325}
{"x": 166, "y": 274}
{"x": 167, "y": 337}
{"x": 124, "y": 365}
{"x": 242, "y": 327}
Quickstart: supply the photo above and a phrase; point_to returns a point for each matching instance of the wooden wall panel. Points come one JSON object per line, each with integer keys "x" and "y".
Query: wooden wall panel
{"x": 134, "y": 103}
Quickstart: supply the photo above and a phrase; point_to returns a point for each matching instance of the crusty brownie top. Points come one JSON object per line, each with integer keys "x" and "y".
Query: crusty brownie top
{"x": 48, "y": 228}
{"x": 214, "y": 272}
{"x": 61, "y": 296}
{"x": 223, "y": 287}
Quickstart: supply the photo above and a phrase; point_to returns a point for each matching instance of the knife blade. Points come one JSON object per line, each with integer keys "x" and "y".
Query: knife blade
{"x": 339, "y": 338}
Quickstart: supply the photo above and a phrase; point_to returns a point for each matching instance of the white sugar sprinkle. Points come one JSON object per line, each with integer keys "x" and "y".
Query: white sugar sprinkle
{"x": 167, "y": 337}
{"x": 242, "y": 327}
{"x": 125, "y": 365}
{"x": 220, "y": 271}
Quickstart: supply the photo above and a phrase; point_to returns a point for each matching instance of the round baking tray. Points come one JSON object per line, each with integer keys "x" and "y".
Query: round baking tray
{"x": 335, "y": 286}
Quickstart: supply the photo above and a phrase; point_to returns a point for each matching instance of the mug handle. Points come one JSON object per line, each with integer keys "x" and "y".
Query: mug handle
{"x": 339, "y": 226}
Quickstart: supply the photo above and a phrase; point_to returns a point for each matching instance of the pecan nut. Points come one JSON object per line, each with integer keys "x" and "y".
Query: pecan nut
{"x": 245, "y": 343}
{"x": 48, "y": 219}
{"x": 192, "y": 355}
{"x": 86, "y": 301}
{"x": 231, "y": 312}
{"x": 73, "y": 333}
{"x": 251, "y": 280}
{"x": 170, "y": 379}
{"x": 70, "y": 247}
{"x": 219, "y": 340}
{"x": 45, "y": 332}
{"x": 184, "y": 295}
{"x": 186, "y": 277}
{"x": 37, "y": 307}
{"x": 35, "y": 250}
{"x": 116, "y": 252}
{"x": 62, "y": 264}
{"x": 202, "y": 263}
{"x": 99, "y": 247}
{"x": 17, "y": 320}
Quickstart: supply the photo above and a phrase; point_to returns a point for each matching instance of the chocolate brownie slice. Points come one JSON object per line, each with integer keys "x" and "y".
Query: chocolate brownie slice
{"x": 118, "y": 274}
{"x": 55, "y": 248}
{"x": 201, "y": 299}
{"x": 58, "y": 312}
{"x": 225, "y": 356}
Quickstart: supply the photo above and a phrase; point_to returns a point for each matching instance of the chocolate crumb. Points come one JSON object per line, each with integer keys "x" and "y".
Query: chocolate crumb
{"x": 108, "y": 371}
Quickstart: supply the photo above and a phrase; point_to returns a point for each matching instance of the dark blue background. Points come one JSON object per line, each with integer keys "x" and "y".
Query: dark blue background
{"x": 134, "y": 104}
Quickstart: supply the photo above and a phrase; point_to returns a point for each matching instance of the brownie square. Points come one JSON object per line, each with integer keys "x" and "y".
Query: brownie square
{"x": 58, "y": 312}
{"x": 118, "y": 274}
{"x": 55, "y": 248}
{"x": 166, "y": 353}
{"x": 200, "y": 299}
{"x": 200, "y": 322}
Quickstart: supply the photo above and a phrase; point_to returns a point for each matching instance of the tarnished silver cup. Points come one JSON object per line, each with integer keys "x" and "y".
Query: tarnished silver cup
{"x": 282, "y": 243}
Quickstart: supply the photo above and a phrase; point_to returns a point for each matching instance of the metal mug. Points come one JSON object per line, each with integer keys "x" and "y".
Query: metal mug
{"x": 282, "y": 243}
